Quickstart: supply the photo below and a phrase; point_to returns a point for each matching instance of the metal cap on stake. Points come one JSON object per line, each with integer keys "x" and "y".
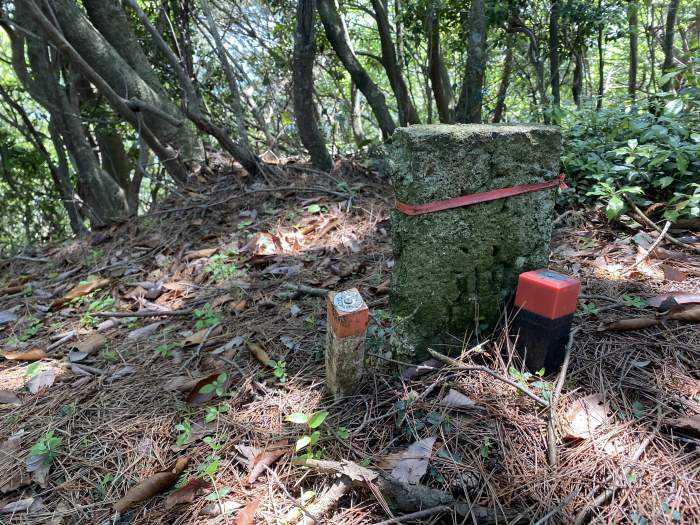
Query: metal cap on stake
{"x": 348, "y": 317}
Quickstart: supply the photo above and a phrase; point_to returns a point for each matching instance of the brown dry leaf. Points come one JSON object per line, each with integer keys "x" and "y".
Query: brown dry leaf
{"x": 264, "y": 244}
{"x": 81, "y": 290}
{"x": 690, "y": 423}
{"x": 35, "y": 354}
{"x": 411, "y": 464}
{"x": 197, "y": 338}
{"x": 238, "y": 307}
{"x": 585, "y": 415}
{"x": 181, "y": 384}
{"x": 151, "y": 486}
{"x": 42, "y": 380}
{"x": 246, "y": 516}
{"x": 382, "y": 288}
{"x": 455, "y": 399}
{"x": 187, "y": 493}
{"x": 669, "y": 300}
{"x": 259, "y": 353}
{"x": 266, "y": 458}
{"x": 672, "y": 274}
{"x": 91, "y": 344}
{"x": 7, "y": 397}
{"x": 623, "y": 325}
{"x": 690, "y": 313}
{"x": 222, "y": 299}
{"x": 199, "y": 254}
{"x": 196, "y": 397}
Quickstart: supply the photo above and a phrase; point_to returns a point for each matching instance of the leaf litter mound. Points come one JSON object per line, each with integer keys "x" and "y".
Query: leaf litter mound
{"x": 187, "y": 337}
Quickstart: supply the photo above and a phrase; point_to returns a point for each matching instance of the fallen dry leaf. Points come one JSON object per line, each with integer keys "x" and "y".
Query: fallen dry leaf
{"x": 237, "y": 307}
{"x": 90, "y": 345}
{"x": 411, "y": 464}
{"x": 198, "y": 338}
{"x": 672, "y": 274}
{"x": 35, "y": 354}
{"x": 151, "y": 486}
{"x": 624, "y": 325}
{"x": 455, "y": 399}
{"x": 669, "y": 300}
{"x": 197, "y": 397}
{"x": 222, "y": 299}
{"x": 690, "y": 423}
{"x": 187, "y": 493}
{"x": 266, "y": 458}
{"x": 689, "y": 313}
{"x": 43, "y": 379}
{"x": 199, "y": 254}
{"x": 21, "y": 505}
{"x": 81, "y": 290}
{"x": 221, "y": 509}
{"x": 246, "y": 515}
{"x": 145, "y": 331}
{"x": 7, "y": 397}
{"x": 585, "y": 415}
{"x": 259, "y": 353}
{"x": 7, "y": 316}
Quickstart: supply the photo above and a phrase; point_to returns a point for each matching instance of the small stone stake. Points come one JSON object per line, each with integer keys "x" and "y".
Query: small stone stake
{"x": 456, "y": 269}
{"x": 348, "y": 316}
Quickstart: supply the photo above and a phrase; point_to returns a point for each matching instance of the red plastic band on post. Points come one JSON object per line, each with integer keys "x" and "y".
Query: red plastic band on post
{"x": 475, "y": 198}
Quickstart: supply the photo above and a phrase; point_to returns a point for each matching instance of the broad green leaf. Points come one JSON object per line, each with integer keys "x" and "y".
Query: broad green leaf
{"x": 314, "y": 208}
{"x": 314, "y": 437}
{"x": 297, "y": 417}
{"x": 317, "y": 418}
{"x": 207, "y": 389}
{"x": 665, "y": 182}
{"x": 682, "y": 163}
{"x": 615, "y": 207}
{"x": 673, "y": 107}
{"x": 302, "y": 442}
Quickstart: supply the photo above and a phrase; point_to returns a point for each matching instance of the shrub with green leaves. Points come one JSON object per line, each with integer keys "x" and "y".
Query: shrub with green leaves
{"x": 649, "y": 152}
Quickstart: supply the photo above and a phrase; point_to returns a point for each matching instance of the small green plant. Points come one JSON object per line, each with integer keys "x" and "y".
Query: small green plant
{"x": 213, "y": 443}
{"x": 209, "y": 467}
{"x": 100, "y": 304}
{"x": 586, "y": 309}
{"x": 109, "y": 355}
{"x": 166, "y": 349}
{"x": 485, "y": 449}
{"x": 43, "y": 452}
{"x": 206, "y": 317}
{"x": 675, "y": 513}
{"x": 12, "y": 341}
{"x": 32, "y": 370}
{"x": 544, "y": 386}
{"x": 314, "y": 208}
{"x": 93, "y": 257}
{"x": 32, "y": 329}
{"x": 633, "y": 301}
{"x": 218, "y": 386}
{"x": 213, "y": 413}
{"x": 185, "y": 433}
{"x": 342, "y": 432}
{"x": 279, "y": 370}
{"x": 217, "y": 494}
{"x": 103, "y": 485}
{"x": 312, "y": 422}
{"x": 220, "y": 269}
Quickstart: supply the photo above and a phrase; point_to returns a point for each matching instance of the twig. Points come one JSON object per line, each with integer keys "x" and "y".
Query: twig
{"x": 651, "y": 248}
{"x": 604, "y": 496}
{"x": 302, "y": 289}
{"x": 296, "y": 502}
{"x": 554, "y": 401}
{"x": 328, "y": 500}
{"x": 144, "y": 313}
{"x": 495, "y": 375}
{"x": 646, "y": 220}
{"x": 198, "y": 351}
{"x": 416, "y": 515}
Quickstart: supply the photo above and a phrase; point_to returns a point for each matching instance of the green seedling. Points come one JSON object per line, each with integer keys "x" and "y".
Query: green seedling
{"x": 586, "y": 309}
{"x": 43, "y": 452}
{"x": 166, "y": 349}
{"x": 213, "y": 413}
{"x": 312, "y": 422}
{"x": 205, "y": 317}
{"x": 32, "y": 370}
{"x": 218, "y": 386}
{"x": 185, "y": 433}
{"x": 102, "y": 486}
{"x": 633, "y": 301}
{"x": 279, "y": 370}
{"x": 220, "y": 269}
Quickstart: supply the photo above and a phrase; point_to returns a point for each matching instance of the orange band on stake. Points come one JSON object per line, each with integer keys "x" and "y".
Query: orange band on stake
{"x": 345, "y": 324}
{"x": 475, "y": 198}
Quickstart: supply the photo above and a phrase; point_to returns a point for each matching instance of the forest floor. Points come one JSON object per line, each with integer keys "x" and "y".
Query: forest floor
{"x": 238, "y": 268}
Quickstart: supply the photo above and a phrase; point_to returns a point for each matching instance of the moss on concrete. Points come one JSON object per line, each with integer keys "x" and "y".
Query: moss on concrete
{"x": 455, "y": 269}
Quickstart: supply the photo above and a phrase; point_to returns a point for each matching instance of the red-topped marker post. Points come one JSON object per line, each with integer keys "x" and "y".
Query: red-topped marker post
{"x": 545, "y": 303}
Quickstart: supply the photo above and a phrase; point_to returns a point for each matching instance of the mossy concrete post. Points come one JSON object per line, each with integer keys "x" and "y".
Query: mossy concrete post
{"x": 455, "y": 269}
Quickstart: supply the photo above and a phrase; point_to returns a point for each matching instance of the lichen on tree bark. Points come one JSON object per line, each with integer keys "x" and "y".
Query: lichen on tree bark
{"x": 456, "y": 269}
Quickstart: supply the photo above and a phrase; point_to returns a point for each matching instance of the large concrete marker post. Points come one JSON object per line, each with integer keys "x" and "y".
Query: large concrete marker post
{"x": 455, "y": 269}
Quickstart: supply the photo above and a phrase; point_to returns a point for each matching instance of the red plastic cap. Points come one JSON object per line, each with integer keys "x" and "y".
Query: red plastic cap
{"x": 547, "y": 293}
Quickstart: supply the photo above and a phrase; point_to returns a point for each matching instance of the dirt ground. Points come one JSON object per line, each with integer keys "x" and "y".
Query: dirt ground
{"x": 239, "y": 267}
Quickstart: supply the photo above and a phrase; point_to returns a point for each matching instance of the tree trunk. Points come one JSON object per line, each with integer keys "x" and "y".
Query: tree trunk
{"x": 228, "y": 71}
{"x": 358, "y": 133}
{"x": 337, "y": 35}
{"x": 601, "y": 62}
{"x": 554, "y": 58}
{"x": 111, "y": 21}
{"x": 537, "y": 63}
{"x": 577, "y": 80}
{"x": 441, "y": 91}
{"x": 470, "y": 99}
{"x": 668, "y": 41}
{"x": 499, "y": 111}
{"x": 305, "y": 112}
{"x": 393, "y": 68}
{"x": 133, "y": 110}
{"x": 633, "y": 26}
